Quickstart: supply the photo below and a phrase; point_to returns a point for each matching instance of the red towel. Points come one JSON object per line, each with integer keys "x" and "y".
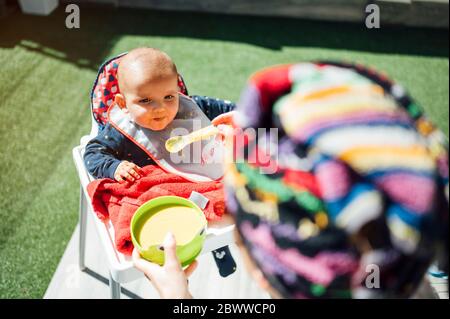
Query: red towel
{"x": 118, "y": 202}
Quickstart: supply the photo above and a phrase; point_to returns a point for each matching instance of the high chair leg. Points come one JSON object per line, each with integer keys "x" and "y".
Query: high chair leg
{"x": 114, "y": 287}
{"x": 82, "y": 229}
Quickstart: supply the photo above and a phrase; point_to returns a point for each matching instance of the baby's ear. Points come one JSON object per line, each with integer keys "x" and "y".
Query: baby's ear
{"x": 120, "y": 100}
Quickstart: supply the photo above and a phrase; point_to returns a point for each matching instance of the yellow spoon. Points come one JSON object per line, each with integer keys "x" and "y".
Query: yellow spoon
{"x": 177, "y": 143}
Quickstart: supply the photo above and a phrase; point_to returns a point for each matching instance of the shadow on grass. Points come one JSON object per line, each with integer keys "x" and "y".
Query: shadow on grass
{"x": 103, "y": 26}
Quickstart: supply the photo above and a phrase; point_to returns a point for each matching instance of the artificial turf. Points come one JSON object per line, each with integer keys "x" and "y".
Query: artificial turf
{"x": 46, "y": 72}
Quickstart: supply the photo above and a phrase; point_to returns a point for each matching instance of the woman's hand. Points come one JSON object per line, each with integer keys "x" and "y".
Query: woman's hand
{"x": 225, "y": 123}
{"x": 225, "y": 118}
{"x": 127, "y": 171}
{"x": 169, "y": 280}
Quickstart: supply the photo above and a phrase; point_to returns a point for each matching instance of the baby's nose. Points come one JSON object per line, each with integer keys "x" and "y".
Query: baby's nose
{"x": 159, "y": 109}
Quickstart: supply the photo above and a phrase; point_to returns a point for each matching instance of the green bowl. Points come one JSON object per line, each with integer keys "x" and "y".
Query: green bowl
{"x": 186, "y": 253}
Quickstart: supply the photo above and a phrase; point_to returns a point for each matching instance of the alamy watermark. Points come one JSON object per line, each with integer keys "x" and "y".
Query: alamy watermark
{"x": 373, "y": 16}
{"x": 73, "y": 17}
{"x": 372, "y": 20}
{"x": 373, "y": 278}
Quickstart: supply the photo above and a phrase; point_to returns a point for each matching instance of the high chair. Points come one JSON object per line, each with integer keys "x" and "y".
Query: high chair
{"x": 121, "y": 269}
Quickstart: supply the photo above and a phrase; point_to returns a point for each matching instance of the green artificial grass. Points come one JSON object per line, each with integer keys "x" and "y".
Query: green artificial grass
{"x": 47, "y": 71}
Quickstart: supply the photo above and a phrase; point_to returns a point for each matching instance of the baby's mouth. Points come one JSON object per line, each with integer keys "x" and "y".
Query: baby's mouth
{"x": 159, "y": 119}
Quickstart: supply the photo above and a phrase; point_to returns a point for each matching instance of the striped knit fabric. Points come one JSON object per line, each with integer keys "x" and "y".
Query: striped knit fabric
{"x": 358, "y": 204}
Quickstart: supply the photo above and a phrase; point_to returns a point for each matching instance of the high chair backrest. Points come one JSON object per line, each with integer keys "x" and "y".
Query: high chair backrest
{"x": 106, "y": 87}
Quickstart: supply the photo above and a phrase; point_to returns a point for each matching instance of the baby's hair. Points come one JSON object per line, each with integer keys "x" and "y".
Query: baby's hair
{"x": 152, "y": 62}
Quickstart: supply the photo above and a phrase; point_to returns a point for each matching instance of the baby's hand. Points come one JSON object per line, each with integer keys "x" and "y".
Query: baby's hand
{"x": 127, "y": 171}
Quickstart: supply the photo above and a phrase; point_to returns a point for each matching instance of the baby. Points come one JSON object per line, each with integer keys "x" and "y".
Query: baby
{"x": 148, "y": 82}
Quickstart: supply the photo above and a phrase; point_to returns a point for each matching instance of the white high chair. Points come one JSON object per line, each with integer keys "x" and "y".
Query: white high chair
{"x": 121, "y": 269}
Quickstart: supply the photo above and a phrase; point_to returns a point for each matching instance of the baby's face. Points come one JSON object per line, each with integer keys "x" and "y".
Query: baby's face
{"x": 153, "y": 104}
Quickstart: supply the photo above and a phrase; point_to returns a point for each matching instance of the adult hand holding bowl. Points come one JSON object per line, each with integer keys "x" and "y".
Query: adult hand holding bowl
{"x": 159, "y": 216}
{"x": 169, "y": 280}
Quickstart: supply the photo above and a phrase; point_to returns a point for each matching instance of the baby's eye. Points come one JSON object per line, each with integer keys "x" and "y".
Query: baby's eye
{"x": 145, "y": 101}
{"x": 169, "y": 97}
